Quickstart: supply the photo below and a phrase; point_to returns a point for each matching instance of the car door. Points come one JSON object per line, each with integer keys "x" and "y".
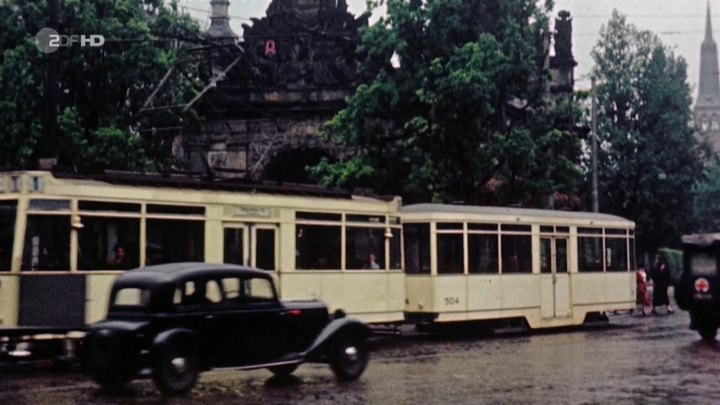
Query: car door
{"x": 252, "y": 321}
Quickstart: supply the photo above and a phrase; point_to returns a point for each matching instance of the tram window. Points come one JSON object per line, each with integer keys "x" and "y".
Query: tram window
{"x": 47, "y": 243}
{"x": 366, "y": 218}
{"x": 483, "y": 254}
{"x": 449, "y": 226}
{"x": 561, "y": 256}
{"x": 590, "y": 257}
{"x": 8, "y": 211}
{"x": 365, "y": 248}
{"x": 516, "y": 254}
{"x": 108, "y": 206}
{"x": 632, "y": 253}
{"x": 610, "y": 231}
{"x": 174, "y": 209}
{"x": 482, "y": 227}
{"x": 515, "y": 228}
{"x": 233, "y": 250}
{"x": 49, "y": 205}
{"x": 318, "y": 247}
{"x": 395, "y": 253}
{"x": 109, "y": 243}
{"x": 265, "y": 249}
{"x": 545, "y": 255}
{"x": 450, "y": 254}
{"x": 616, "y": 254}
{"x": 318, "y": 216}
{"x": 175, "y": 241}
{"x": 416, "y": 238}
{"x": 547, "y": 229}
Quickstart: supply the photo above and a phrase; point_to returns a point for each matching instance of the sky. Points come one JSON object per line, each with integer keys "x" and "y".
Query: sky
{"x": 680, "y": 24}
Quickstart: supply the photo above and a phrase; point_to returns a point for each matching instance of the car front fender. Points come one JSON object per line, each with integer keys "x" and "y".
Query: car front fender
{"x": 334, "y": 330}
{"x": 170, "y": 336}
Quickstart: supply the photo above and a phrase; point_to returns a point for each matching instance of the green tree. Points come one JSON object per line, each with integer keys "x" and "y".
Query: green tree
{"x": 706, "y": 194}
{"x": 648, "y": 157}
{"x": 103, "y": 121}
{"x": 453, "y": 107}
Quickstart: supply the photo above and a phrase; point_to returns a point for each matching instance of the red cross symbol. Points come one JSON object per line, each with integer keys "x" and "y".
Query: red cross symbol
{"x": 702, "y": 285}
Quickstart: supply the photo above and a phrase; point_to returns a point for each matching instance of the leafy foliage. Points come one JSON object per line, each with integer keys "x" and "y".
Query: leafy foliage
{"x": 461, "y": 115}
{"x": 706, "y": 193}
{"x": 648, "y": 157}
{"x": 102, "y": 122}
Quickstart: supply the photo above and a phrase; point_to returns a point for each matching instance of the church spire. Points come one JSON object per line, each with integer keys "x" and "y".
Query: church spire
{"x": 708, "y": 24}
{"x": 709, "y": 88}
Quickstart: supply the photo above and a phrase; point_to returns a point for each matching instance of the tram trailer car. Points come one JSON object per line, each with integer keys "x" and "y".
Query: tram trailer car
{"x": 65, "y": 238}
{"x": 546, "y": 268}
{"x": 698, "y": 290}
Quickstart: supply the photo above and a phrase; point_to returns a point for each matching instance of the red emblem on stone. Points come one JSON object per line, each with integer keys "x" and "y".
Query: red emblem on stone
{"x": 702, "y": 285}
{"x": 270, "y": 48}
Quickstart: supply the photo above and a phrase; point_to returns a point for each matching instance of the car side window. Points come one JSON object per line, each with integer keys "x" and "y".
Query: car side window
{"x": 198, "y": 293}
{"x": 231, "y": 286}
{"x": 258, "y": 290}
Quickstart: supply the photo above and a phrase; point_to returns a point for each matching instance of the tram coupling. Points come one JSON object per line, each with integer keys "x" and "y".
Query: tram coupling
{"x": 28, "y": 345}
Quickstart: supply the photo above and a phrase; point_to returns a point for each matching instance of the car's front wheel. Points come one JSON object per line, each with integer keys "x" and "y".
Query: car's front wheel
{"x": 176, "y": 368}
{"x": 349, "y": 357}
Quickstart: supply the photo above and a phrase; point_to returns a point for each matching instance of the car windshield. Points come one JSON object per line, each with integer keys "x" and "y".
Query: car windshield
{"x": 131, "y": 298}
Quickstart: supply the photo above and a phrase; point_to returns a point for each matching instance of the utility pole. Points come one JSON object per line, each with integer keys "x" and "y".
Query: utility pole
{"x": 596, "y": 205}
{"x": 49, "y": 155}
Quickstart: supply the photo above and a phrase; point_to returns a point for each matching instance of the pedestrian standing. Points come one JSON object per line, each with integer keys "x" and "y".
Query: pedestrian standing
{"x": 661, "y": 282}
{"x": 642, "y": 297}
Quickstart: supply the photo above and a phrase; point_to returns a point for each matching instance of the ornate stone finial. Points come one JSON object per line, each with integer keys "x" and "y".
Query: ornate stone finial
{"x": 709, "y": 87}
{"x": 708, "y": 24}
{"x": 220, "y": 20}
{"x": 563, "y": 36}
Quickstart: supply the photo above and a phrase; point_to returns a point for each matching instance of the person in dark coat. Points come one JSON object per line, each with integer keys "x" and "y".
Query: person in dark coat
{"x": 661, "y": 281}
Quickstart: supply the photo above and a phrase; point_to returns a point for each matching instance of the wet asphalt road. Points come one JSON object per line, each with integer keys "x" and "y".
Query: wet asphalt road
{"x": 634, "y": 359}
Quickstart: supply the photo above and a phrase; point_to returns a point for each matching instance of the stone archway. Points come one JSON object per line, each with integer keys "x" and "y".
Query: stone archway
{"x": 288, "y": 164}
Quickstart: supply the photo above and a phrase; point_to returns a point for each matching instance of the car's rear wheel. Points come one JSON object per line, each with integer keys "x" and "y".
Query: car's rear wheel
{"x": 176, "y": 368}
{"x": 349, "y": 357}
{"x": 284, "y": 370}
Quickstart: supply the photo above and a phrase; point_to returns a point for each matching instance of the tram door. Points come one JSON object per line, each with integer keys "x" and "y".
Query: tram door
{"x": 555, "y": 294}
{"x": 251, "y": 245}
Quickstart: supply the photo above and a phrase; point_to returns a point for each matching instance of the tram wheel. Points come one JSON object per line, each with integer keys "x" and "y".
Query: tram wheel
{"x": 176, "y": 369}
{"x": 349, "y": 357}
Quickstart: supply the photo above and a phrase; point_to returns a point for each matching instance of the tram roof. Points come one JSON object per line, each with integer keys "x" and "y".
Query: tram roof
{"x": 196, "y": 181}
{"x": 428, "y": 208}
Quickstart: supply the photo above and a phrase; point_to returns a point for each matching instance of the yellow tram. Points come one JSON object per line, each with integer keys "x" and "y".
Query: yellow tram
{"x": 550, "y": 268}
{"x": 65, "y": 238}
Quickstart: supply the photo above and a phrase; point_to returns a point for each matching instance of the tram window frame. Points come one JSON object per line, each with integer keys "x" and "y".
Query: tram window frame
{"x": 307, "y": 257}
{"x": 8, "y": 209}
{"x": 127, "y": 237}
{"x": 450, "y": 260}
{"x": 355, "y": 260}
{"x": 475, "y": 261}
{"x": 61, "y": 248}
{"x": 416, "y": 245}
{"x": 266, "y": 248}
{"x": 515, "y": 262}
{"x": 588, "y": 255}
{"x": 196, "y": 240}
{"x": 611, "y": 255}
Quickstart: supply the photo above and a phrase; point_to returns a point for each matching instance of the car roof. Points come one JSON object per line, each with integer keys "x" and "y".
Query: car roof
{"x": 172, "y": 272}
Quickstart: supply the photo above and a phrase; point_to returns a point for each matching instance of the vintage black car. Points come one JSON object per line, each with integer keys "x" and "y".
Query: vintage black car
{"x": 698, "y": 289}
{"x": 172, "y": 321}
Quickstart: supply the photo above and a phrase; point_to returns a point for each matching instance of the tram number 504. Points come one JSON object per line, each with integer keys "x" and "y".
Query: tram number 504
{"x": 452, "y": 301}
